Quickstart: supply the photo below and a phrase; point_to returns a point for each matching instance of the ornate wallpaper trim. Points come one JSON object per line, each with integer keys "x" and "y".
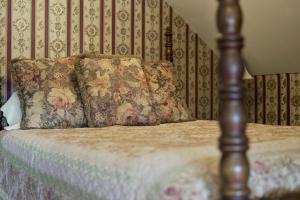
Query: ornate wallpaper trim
{"x": 123, "y": 28}
{"x": 271, "y": 100}
{"x": 250, "y": 99}
{"x": 274, "y": 99}
{"x": 57, "y": 28}
{"x": 294, "y": 99}
{"x": 151, "y": 34}
{"x": 74, "y": 27}
{"x": 204, "y": 81}
{"x": 91, "y": 25}
{"x": 191, "y": 70}
{"x": 179, "y": 52}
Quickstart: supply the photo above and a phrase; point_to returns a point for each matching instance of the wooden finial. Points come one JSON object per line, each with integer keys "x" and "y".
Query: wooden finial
{"x": 234, "y": 166}
{"x": 169, "y": 44}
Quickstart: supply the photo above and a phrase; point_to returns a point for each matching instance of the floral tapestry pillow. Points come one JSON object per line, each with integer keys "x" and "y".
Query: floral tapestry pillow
{"x": 162, "y": 82}
{"x": 49, "y": 94}
{"x": 115, "y": 92}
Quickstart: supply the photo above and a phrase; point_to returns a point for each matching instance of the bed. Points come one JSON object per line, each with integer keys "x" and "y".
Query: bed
{"x": 170, "y": 161}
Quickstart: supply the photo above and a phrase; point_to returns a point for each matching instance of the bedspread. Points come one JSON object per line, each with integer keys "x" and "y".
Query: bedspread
{"x": 176, "y": 161}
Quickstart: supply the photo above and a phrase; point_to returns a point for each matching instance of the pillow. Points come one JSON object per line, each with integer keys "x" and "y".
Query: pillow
{"x": 12, "y": 111}
{"x": 13, "y": 127}
{"x": 48, "y": 93}
{"x": 115, "y": 92}
{"x": 170, "y": 107}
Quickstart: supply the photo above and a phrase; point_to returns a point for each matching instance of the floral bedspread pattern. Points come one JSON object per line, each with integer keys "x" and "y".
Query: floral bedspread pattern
{"x": 168, "y": 162}
{"x": 48, "y": 93}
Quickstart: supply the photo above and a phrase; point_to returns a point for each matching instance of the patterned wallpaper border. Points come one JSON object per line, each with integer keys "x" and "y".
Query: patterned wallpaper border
{"x": 274, "y": 99}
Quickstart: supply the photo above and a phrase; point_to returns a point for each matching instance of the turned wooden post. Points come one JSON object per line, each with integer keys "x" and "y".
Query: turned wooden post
{"x": 234, "y": 166}
{"x": 169, "y": 44}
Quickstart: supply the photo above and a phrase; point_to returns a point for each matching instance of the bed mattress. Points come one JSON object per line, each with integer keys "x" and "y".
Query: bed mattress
{"x": 176, "y": 161}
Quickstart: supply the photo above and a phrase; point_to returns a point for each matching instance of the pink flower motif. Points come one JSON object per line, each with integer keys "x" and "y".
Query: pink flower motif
{"x": 127, "y": 114}
{"x": 261, "y": 168}
{"x": 61, "y": 98}
{"x": 171, "y": 193}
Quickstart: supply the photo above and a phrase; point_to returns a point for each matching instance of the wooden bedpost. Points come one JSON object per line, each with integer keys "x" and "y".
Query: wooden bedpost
{"x": 169, "y": 44}
{"x": 234, "y": 166}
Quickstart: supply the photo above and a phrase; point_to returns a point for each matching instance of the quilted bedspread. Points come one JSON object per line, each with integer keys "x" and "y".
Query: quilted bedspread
{"x": 169, "y": 162}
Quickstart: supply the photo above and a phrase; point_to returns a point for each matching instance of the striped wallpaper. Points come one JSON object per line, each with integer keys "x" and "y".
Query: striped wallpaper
{"x": 274, "y": 99}
{"x": 58, "y": 28}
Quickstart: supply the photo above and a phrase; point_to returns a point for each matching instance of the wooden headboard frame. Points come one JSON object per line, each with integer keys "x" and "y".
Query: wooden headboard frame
{"x": 233, "y": 143}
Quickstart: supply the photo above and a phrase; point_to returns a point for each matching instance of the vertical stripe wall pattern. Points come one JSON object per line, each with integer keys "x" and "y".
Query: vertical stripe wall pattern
{"x": 59, "y": 28}
{"x": 273, "y": 99}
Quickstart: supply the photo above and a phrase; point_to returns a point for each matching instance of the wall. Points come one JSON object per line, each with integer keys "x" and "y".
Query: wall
{"x": 271, "y": 28}
{"x": 57, "y": 28}
{"x": 274, "y": 99}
